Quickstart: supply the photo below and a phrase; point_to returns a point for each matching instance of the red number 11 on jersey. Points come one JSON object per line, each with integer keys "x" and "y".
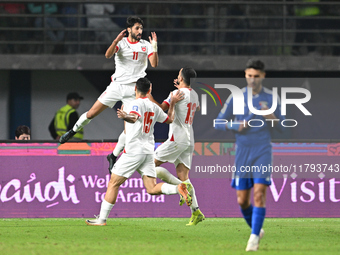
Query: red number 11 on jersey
{"x": 147, "y": 121}
{"x": 135, "y": 55}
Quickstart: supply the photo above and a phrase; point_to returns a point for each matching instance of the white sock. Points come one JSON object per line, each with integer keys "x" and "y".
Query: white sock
{"x": 169, "y": 189}
{"x": 166, "y": 176}
{"x": 194, "y": 205}
{"x": 81, "y": 122}
{"x": 105, "y": 210}
{"x": 120, "y": 145}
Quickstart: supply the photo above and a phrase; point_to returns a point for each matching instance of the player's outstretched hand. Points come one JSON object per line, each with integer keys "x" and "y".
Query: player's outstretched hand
{"x": 154, "y": 37}
{"x": 120, "y": 113}
{"x": 177, "y": 97}
{"x": 120, "y": 36}
{"x": 153, "y": 42}
{"x": 176, "y": 83}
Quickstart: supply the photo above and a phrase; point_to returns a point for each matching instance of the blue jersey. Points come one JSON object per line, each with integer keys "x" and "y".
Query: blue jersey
{"x": 253, "y": 146}
{"x": 252, "y": 135}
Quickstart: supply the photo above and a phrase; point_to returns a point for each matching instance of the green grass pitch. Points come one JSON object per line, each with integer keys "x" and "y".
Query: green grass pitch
{"x": 167, "y": 236}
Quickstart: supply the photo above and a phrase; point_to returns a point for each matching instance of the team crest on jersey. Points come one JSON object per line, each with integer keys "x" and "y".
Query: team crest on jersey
{"x": 143, "y": 48}
{"x": 135, "y": 108}
{"x": 263, "y": 103}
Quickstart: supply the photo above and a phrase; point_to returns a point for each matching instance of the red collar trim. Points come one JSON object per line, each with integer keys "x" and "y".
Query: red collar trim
{"x": 143, "y": 97}
{"x": 127, "y": 38}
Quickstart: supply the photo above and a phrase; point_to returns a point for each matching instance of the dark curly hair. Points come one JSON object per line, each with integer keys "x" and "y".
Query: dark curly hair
{"x": 133, "y": 20}
{"x": 22, "y": 130}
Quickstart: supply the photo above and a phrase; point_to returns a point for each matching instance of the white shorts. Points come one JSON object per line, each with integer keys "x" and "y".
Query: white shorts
{"x": 175, "y": 153}
{"x": 118, "y": 92}
{"x": 128, "y": 164}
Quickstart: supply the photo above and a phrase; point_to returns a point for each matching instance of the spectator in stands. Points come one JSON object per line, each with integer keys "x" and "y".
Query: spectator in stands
{"x": 191, "y": 35}
{"x": 98, "y": 18}
{"x": 51, "y": 23}
{"x": 122, "y": 9}
{"x": 238, "y": 22}
{"x": 330, "y": 10}
{"x": 306, "y": 20}
{"x": 221, "y": 23}
{"x": 70, "y": 21}
{"x": 13, "y": 20}
{"x": 23, "y": 133}
{"x": 4, "y": 34}
{"x": 66, "y": 117}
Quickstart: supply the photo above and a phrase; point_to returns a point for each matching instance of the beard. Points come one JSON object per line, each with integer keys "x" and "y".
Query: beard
{"x": 134, "y": 36}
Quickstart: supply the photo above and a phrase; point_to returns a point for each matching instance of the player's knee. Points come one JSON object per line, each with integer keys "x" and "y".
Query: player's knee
{"x": 259, "y": 198}
{"x": 243, "y": 202}
{"x": 182, "y": 172}
{"x": 183, "y": 177}
{"x": 114, "y": 183}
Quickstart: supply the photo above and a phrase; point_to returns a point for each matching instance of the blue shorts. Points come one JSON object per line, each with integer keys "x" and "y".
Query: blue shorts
{"x": 252, "y": 166}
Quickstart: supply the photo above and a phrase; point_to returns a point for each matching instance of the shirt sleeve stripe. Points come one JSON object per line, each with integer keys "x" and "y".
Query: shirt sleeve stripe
{"x": 166, "y": 119}
{"x": 166, "y": 102}
{"x": 150, "y": 54}
{"x": 135, "y": 113}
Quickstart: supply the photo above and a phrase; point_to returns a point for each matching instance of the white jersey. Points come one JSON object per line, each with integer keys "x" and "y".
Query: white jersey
{"x": 181, "y": 130}
{"x": 131, "y": 60}
{"x": 139, "y": 135}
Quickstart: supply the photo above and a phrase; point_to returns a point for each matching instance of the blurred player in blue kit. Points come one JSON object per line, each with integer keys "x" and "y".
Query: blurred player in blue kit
{"x": 253, "y": 148}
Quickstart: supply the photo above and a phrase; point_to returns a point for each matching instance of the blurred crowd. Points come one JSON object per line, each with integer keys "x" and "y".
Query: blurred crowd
{"x": 308, "y": 27}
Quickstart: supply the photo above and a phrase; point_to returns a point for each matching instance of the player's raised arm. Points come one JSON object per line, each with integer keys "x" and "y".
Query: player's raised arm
{"x": 165, "y": 105}
{"x": 173, "y": 101}
{"x": 154, "y": 57}
{"x": 112, "y": 49}
{"x": 131, "y": 117}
